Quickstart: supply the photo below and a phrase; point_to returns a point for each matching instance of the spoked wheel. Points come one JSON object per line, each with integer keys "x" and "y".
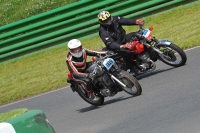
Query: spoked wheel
{"x": 173, "y": 55}
{"x": 132, "y": 85}
{"x": 90, "y": 97}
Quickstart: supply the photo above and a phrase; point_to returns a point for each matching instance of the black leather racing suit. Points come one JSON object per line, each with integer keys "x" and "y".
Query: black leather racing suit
{"x": 114, "y": 35}
{"x": 77, "y": 67}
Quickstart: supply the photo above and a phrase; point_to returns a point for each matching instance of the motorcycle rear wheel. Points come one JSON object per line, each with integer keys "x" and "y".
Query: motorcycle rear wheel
{"x": 176, "y": 56}
{"x": 133, "y": 87}
{"x": 89, "y": 97}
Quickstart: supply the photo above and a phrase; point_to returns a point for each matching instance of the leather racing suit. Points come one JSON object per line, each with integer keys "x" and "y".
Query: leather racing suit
{"x": 114, "y": 35}
{"x": 77, "y": 67}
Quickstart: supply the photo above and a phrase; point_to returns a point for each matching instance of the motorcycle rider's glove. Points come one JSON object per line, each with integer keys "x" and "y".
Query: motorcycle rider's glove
{"x": 127, "y": 46}
{"x": 139, "y": 22}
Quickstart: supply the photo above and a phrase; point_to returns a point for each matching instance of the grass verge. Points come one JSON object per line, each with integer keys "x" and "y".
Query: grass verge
{"x": 11, "y": 114}
{"x": 14, "y": 10}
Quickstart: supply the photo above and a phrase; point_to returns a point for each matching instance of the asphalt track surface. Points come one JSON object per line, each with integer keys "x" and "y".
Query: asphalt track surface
{"x": 170, "y": 103}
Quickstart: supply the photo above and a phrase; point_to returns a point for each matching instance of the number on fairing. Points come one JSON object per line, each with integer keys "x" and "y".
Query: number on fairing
{"x": 108, "y": 63}
{"x": 146, "y": 33}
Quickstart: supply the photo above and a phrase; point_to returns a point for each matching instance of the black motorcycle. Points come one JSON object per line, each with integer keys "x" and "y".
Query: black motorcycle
{"x": 108, "y": 80}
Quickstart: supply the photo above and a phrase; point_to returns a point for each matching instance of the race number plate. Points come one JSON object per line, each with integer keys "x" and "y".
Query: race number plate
{"x": 108, "y": 63}
{"x": 146, "y": 33}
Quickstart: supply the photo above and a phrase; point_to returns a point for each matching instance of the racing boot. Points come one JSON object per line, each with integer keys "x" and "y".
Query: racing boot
{"x": 72, "y": 86}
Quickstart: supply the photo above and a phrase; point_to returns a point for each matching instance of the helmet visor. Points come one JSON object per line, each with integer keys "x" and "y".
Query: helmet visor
{"x": 108, "y": 21}
{"x": 76, "y": 50}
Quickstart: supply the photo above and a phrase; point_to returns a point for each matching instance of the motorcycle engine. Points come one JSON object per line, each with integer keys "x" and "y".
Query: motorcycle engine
{"x": 102, "y": 81}
{"x": 145, "y": 61}
{"x": 106, "y": 86}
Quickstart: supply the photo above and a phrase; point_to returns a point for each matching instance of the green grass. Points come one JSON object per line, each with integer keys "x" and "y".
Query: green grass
{"x": 46, "y": 70}
{"x": 11, "y": 11}
{"x": 14, "y": 10}
{"x": 11, "y": 114}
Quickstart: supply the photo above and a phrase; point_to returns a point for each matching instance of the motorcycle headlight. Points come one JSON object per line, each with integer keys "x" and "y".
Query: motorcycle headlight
{"x": 115, "y": 66}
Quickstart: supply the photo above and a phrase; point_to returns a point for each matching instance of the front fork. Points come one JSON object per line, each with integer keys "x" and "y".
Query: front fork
{"x": 115, "y": 79}
{"x": 158, "y": 43}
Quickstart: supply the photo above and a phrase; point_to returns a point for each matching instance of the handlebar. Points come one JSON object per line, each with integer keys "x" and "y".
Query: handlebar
{"x": 108, "y": 55}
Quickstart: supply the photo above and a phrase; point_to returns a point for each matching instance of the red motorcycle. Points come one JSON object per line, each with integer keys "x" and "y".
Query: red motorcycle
{"x": 146, "y": 50}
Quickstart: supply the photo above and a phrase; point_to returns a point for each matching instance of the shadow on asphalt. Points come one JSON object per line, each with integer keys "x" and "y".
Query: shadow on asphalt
{"x": 92, "y": 107}
{"x": 152, "y": 73}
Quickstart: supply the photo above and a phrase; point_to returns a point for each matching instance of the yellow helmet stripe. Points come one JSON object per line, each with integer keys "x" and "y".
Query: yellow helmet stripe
{"x": 104, "y": 15}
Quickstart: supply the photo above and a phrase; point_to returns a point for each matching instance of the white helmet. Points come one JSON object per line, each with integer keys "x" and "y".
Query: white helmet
{"x": 75, "y": 48}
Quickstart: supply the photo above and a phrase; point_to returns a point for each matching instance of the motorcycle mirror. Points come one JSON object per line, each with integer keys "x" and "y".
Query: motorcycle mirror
{"x": 151, "y": 28}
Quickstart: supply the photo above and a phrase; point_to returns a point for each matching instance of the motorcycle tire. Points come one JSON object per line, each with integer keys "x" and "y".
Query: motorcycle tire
{"x": 89, "y": 97}
{"x": 133, "y": 86}
{"x": 168, "y": 50}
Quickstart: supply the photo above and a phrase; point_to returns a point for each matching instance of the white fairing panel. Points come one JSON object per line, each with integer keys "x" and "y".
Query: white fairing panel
{"x": 6, "y": 128}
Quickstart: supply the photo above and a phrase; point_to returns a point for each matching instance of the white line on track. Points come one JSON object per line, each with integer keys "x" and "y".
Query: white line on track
{"x": 33, "y": 97}
{"x": 191, "y": 48}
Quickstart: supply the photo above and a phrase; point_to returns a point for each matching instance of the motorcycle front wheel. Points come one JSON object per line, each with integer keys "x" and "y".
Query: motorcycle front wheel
{"x": 133, "y": 87}
{"x": 90, "y": 97}
{"x": 174, "y": 55}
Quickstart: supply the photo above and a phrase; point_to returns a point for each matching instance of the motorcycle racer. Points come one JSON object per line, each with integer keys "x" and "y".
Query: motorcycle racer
{"x": 114, "y": 36}
{"x": 76, "y": 62}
